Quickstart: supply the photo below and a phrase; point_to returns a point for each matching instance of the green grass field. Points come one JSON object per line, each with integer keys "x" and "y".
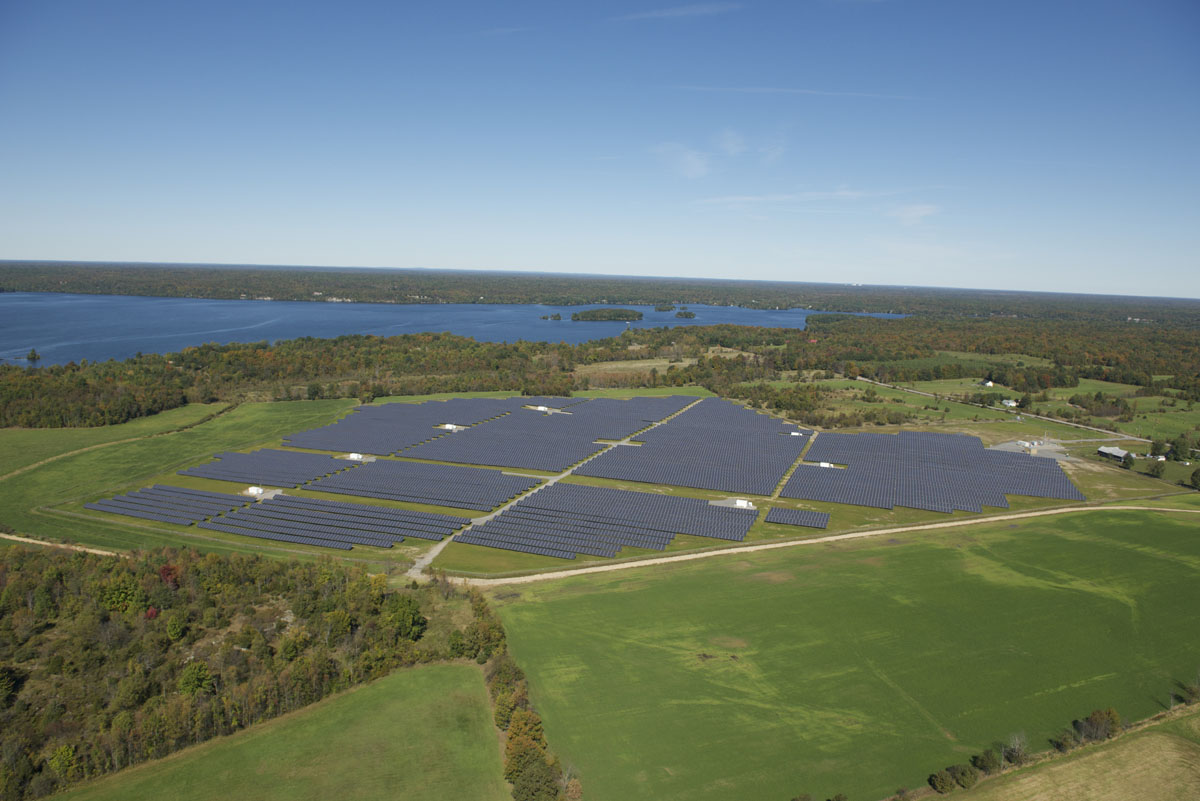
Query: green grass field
{"x": 1161, "y": 763}
{"x": 46, "y": 500}
{"x": 856, "y": 668}
{"x": 20, "y": 447}
{"x": 421, "y": 733}
{"x": 849, "y": 397}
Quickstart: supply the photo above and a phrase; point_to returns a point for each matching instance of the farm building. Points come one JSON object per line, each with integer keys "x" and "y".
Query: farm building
{"x": 1113, "y": 451}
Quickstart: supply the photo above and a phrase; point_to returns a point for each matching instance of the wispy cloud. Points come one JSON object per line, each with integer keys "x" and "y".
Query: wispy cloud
{"x": 913, "y": 214}
{"x": 791, "y": 197}
{"x": 684, "y": 160}
{"x": 678, "y": 12}
{"x": 504, "y": 31}
{"x": 731, "y": 142}
{"x": 771, "y": 151}
{"x": 786, "y": 90}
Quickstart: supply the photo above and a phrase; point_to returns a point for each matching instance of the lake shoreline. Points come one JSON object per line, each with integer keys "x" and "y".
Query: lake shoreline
{"x": 70, "y": 327}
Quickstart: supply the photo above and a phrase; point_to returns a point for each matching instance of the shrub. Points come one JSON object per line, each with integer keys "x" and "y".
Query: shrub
{"x": 964, "y": 775}
{"x": 1016, "y": 752}
{"x": 942, "y": 781}
{"x": 988, "y": 762}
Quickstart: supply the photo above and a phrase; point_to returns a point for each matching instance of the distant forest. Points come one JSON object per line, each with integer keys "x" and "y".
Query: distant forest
{"x": 732, "y": 361}
{"x": 443, "y": 286}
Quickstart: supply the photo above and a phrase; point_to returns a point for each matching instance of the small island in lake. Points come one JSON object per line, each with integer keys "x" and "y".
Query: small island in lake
{"x": 665, "y": 307}
{"x": 686, "y": 315}
{"x": 619, "y": 315}
{"x": 555, "y": 316}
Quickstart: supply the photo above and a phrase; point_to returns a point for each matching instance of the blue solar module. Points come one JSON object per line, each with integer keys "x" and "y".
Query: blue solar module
{"x": 169, "y": 504}
{"x": 552, "y": 441}
{"x": 338, "y": 518}
{"x": 390, "y": 427}
{"x": 922, "y": 470}
{"x": 797, "y": 517}
{"x": 273, "y": 468}
{"x": 278, "y": 536}
{"x": 716, "y": 445}
{"x": 419, "y": 482}
{"x": 568, "y": 519}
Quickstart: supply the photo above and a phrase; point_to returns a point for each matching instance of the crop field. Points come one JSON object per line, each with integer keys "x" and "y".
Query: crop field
{"x": 861, "y": 667}
{"x": 421, "y": 733}
{"x": 1159, "y": 764}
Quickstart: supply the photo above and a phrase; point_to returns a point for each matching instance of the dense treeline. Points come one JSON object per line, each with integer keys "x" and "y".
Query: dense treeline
{"x": 109, "y": 662}
{"x": 720, "y": 358}
{"x": 444, "y": 286}
{"x": 529, "y": 765}
{"x": 606, "y": 315}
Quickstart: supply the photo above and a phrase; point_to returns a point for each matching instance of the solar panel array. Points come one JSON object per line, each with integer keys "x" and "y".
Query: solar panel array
{"x": 797, "y": 517}
{"x": 332, "y": 524}
{"x": 563, "y": 520}
{"x": 715, "y": 445}
{"x": 438, "y": 484}
{"x": 274, "y": 468}
{"x": 391, "y": 427}
{"x": 549, "y": 441}
{"x": 921, "y": 470}
{"x": 169, "y": 504}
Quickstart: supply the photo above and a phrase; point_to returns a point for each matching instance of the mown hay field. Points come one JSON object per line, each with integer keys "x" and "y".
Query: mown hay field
{"x": 856, "y": 668}
{"x": 421, "y": 734}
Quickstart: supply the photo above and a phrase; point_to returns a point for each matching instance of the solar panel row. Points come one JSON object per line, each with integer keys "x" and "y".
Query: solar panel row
{"x": 276, "y": 536}
{"x": 716, "y": 444}
{"x": 535, "y": 440}
{"x": 420, "y": 482}
{"x": 169, "y": 504}
{"x": 334, "y": 516}
{"x": 274, "y": 468}
{"x": 253, "y": 520}
{"x": 922, "y": 470}
{"x": 391, "y": 427}
{"x": 797, "y": 517}
{"x": 571, "y": 519}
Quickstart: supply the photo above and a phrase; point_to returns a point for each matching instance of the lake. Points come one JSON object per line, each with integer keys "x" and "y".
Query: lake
{"x": 65, "y": 328}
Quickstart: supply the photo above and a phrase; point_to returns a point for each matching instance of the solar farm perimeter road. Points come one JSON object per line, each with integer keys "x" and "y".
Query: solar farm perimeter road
{"x": 854, "y": 535}
{"x": 417, "y": 571}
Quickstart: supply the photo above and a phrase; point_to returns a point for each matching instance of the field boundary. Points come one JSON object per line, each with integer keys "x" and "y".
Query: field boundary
{"x": 832, "y": 538}
{"x": 63, "y": 545}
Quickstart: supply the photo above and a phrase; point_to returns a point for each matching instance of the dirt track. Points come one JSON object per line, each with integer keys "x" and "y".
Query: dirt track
{"x": 766, "y": 546}
{"x": 48, "y": 544}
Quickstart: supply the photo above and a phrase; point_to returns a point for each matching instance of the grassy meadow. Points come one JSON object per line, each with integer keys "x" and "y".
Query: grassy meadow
{"x": 1158, "y": 764}
{"x": 21, "y": 447}
{"x": 421, "y": 733}
{"x": 856, "y": 667}
{"x": 46, "y": 501}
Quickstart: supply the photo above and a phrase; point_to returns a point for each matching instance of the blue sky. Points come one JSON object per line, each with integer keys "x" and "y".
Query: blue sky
{"x": 1027, "y": 145}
